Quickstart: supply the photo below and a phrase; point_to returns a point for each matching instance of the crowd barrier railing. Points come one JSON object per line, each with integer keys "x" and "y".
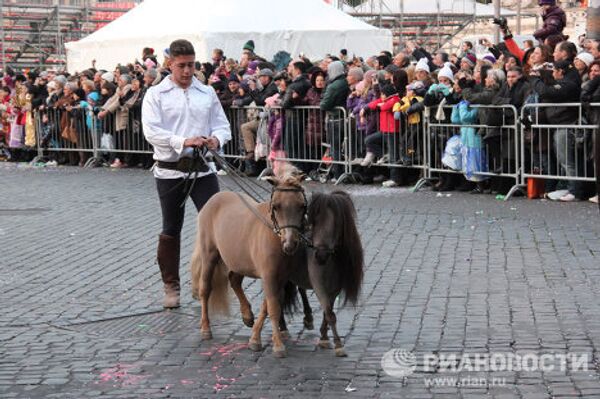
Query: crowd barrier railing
{"x": 488, "y": 143}
{"x": 495, "y": 140}
{"x": 402, "y": 146}
{"x": 559, "y": 151}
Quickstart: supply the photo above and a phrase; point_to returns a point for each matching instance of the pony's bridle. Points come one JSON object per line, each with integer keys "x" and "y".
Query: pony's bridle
{"x": 277, "y": 229}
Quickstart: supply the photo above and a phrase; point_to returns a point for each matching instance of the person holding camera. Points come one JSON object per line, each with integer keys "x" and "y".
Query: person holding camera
{"x": 179, "y": 116}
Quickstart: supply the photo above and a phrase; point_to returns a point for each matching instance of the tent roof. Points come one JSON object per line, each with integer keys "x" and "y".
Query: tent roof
{"x": 429, "y": 7}
{"x": 157, "y": 18}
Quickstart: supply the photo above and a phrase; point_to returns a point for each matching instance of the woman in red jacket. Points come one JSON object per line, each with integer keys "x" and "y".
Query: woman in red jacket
{"x": 389, "y": 128}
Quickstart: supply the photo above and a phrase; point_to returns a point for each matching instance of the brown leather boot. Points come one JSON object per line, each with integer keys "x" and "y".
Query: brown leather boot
{"x": 168, "y": 261}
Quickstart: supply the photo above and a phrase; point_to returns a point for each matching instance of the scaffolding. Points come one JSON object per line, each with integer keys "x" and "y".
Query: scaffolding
{"x": 433, "y": 29}
{"x": 34, "y": 31}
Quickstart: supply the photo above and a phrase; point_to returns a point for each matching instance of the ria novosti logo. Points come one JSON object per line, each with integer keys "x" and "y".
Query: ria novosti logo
{"x": 399, "y": 363}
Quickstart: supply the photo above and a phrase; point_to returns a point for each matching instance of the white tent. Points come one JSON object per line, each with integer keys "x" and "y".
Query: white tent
{"x": 470, "y": 7}
{"x": 310, "y": 26}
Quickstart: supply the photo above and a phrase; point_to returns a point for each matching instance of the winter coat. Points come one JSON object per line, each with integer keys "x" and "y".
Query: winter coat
{"x": 356, "y": 104}
{"x": 259, "y": 96}
{"x": 335, "y": 95}
{"x": 299, "y": 85}
{"x": 567, "y": 90}
{"x": 555, "y": 21}
{"x": 113, "y": 105}
{"x": 590, "y": 93}
{"x": 315, "y": 124}
{"x": 387, "y": 123}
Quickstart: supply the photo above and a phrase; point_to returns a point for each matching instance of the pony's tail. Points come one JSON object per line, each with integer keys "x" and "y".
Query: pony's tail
{"x": 218, "y": 302}
{"x": 290, "y": 298}
{"x": 196, "y": 268}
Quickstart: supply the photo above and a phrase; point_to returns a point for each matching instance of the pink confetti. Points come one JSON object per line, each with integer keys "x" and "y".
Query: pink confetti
{"x": 187, "y": 382}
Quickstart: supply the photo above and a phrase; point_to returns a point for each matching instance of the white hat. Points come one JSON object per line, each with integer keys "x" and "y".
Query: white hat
{"x": 446, "y": 72}
{"x": 108, "y": 76}
{"x": 586, "y": 58}
{"x": 423, "y": 65}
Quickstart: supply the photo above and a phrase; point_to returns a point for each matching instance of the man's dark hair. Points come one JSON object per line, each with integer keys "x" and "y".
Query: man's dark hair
{"x": 562, "y": 65}
{"x": 569, "y": 48}
{"x": 384, "y": 60}
{"x": 301, "y": 66}
{"x": 219, "y": 52}
{"x": 517, "y": 69}
{"x": 469, "y": 44}
{"x": 181, "y": 47}
{"x": 387, "y": 53}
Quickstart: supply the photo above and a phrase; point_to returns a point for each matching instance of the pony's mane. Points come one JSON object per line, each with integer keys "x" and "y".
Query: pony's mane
{"x": 349, "y": 256}
{"x": 289, "y": 175}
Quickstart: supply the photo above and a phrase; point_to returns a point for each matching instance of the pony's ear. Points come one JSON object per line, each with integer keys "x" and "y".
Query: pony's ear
{"x": 272, "y": 180}
{"x": 301, "y": 177}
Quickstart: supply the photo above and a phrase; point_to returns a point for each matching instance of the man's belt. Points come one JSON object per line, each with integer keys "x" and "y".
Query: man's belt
{"x": 185, "y": 165}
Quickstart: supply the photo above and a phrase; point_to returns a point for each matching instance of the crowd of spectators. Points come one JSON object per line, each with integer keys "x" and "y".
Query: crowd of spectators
{"x": 385, "y": 95}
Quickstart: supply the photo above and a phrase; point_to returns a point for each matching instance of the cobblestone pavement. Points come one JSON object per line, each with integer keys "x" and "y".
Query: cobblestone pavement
{"x": 81, "y": 317}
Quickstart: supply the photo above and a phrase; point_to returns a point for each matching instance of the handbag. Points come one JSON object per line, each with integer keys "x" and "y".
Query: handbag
{"x": 69, "y": 133}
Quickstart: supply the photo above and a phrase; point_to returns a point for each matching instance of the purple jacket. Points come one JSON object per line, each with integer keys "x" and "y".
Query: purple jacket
{"x": 555, "y": 21}
{"x": 275, "y": 130}
{"x": 356, "y": 104}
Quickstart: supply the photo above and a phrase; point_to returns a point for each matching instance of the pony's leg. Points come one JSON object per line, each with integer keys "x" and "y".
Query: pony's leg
{"x": 272, "y": 297}
{"x": 285, "y": 334}
{"x": 255, "y": 344}
{"x": 235, "y": 281}
{"x": 308, "y": 316}
{"x": 205, "y": 288}
{"x": 324, "y": 341}
{"x": 332, "y": 321}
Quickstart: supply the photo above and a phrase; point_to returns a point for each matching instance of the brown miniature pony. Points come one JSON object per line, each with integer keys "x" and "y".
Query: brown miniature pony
{"x": 239, "y": 237}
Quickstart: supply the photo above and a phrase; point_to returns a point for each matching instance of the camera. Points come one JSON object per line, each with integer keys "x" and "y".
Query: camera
{"x": 501, "y": 22}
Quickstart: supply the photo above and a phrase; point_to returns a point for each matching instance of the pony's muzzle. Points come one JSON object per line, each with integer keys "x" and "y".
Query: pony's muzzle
{"x": 291, "y": 242}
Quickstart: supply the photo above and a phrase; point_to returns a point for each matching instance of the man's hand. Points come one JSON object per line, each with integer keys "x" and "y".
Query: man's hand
{"x": 197, "y": 141}
{"x": 213, "y": 143}
{"x": 102, "y": 114}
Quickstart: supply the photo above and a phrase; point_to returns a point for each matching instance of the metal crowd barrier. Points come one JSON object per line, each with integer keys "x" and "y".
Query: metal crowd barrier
{"x": 490, "y": 150}
{"x": 69, "y": 130}
{"x": 313, "y": 140}
{"x": 405, "y": 148}
{"x": 317, "y": 141}
{"x": 554, "y": 151}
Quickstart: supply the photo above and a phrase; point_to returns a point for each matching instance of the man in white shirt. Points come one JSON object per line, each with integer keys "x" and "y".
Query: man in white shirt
{"x": 180, "y": 115}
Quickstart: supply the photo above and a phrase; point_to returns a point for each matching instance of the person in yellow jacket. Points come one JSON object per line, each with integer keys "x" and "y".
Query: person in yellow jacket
{"x": 410, "y": 121}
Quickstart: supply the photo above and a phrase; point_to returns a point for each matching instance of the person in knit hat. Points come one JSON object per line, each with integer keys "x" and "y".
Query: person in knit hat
{"x": 582, "y": 63}
{"x": 248, "y": 47}
{"x": 467, "y": 63}
{"x": 422, "y": 71}
{"x": 446, "y": 76}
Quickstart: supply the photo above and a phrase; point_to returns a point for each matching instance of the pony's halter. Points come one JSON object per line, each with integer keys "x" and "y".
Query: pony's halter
{"x": 277, "y": 229}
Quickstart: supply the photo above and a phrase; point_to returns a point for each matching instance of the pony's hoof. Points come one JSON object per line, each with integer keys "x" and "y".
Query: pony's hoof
{"x": 255, "y": 346}
{"x": 285, "y": 334}
{"x": 248, "y": 322}
{"x": 206, "y": 335}
{"x": 340, "y": 352}
{"x": 324, "y": 344}
{"x": 280, "y": 353}
{"x": 308, "y": 324}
